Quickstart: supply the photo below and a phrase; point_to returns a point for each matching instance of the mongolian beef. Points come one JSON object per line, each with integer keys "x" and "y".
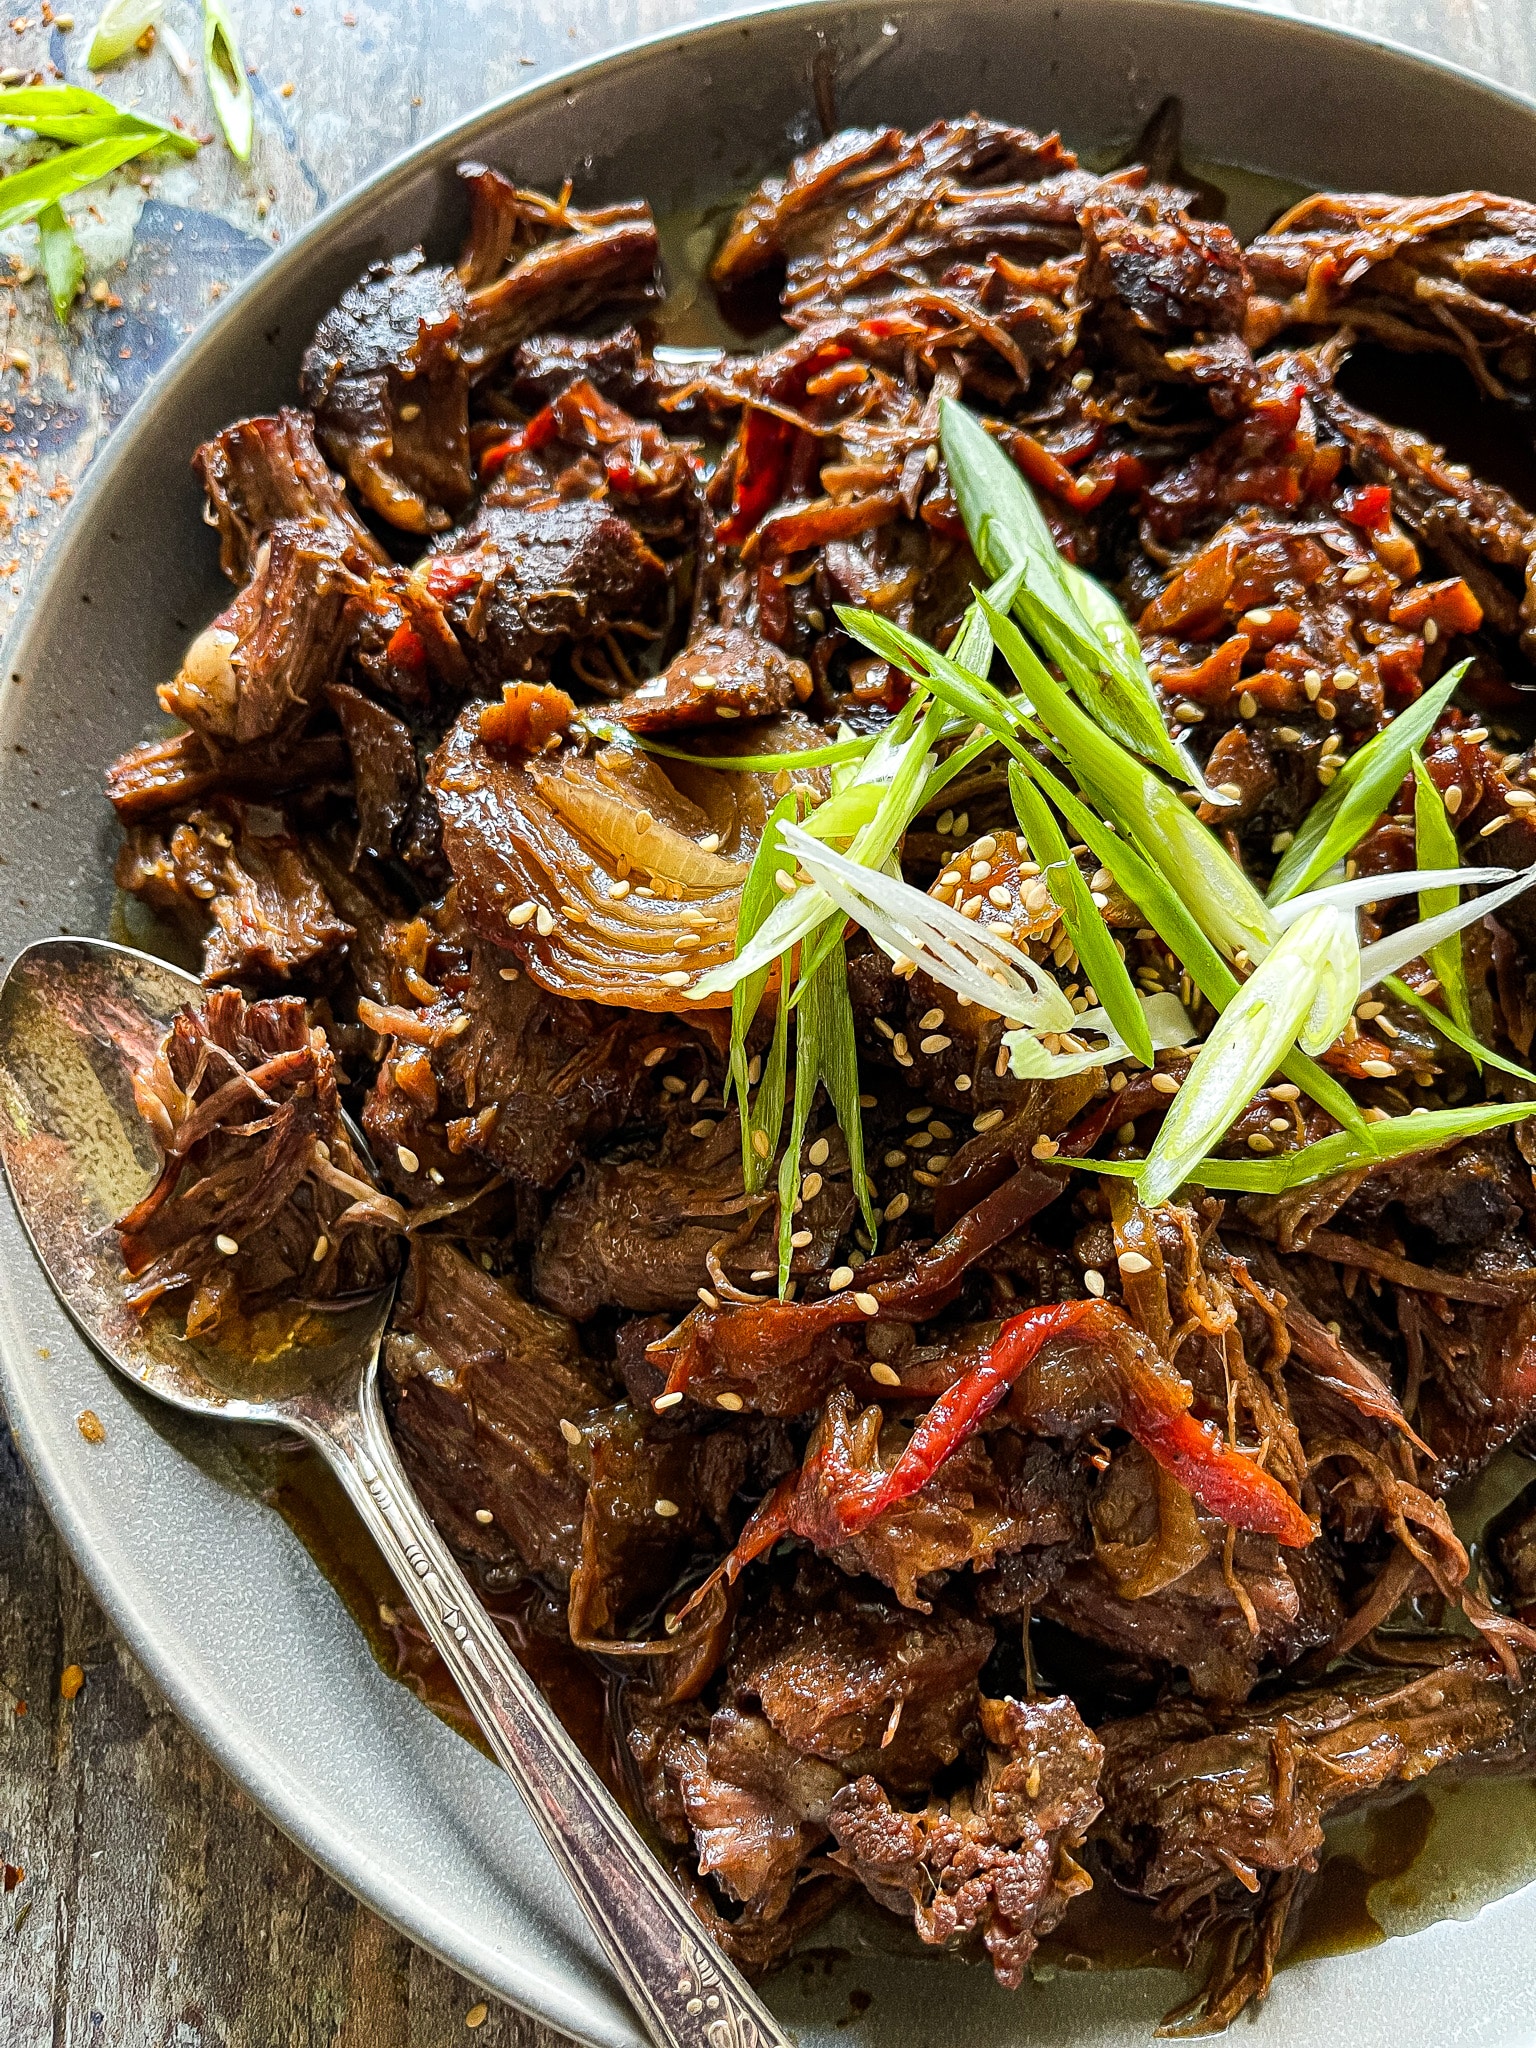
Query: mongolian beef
{"x": 925, "y": 923}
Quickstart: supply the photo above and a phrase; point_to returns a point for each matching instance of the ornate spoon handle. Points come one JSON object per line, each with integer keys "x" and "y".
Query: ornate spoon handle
{"x": 684, "y": 1990}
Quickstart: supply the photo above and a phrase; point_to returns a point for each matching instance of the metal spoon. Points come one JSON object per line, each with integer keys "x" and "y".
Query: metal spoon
{"x": 77, "y": 1017}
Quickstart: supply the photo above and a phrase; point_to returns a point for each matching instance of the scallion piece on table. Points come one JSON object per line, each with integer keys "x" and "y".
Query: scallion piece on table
{"x": 121, "y": 28}
{"x": 227, "y": 83}
{"x": 62, "y": 261}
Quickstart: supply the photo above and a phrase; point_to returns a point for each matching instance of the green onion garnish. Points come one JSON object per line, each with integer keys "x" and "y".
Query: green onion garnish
{"x": 228, "y": 85}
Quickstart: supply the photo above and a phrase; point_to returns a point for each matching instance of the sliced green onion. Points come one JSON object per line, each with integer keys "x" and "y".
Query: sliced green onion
{"x": 833, "y": 755}
{"x": 759, "y": 894}
{"x": 74, "y": 114}
{"x": 1359, "y": 793}
{"x": 1302, "y": 981}
{"x": 1103, "y": 967}
{"x": 1434, "y": 840}
{"x": 1076, "y": 620}
{"x": 1386, "y": 956}
{"x": 1165, "y": 910}
{"x": 1382, "y": 888}
{"x": 964, "y": 955}
{"x": 1225, "y": 903}
{"x": 826, "y": 1052}
{"x": 120, "y": 29}
{"x": 1480, "y": 1054}
{"x": 1397, "y": 1137}
{"x": 227, "y": 83}
{"x": 62, "y": 261}
{"x": 1168, "y": 1025}
{"x": 24, "y": 194}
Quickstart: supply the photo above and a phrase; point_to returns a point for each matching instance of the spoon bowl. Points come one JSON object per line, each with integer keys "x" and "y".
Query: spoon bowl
{"x": 78, "y": 1018}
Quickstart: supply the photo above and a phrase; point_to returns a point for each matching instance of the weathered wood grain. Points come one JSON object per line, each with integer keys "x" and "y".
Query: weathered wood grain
{"x": 159, "y": 1909}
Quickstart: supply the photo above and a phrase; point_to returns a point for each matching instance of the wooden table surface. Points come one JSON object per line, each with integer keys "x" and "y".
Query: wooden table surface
{"x": 158, "y": 1908}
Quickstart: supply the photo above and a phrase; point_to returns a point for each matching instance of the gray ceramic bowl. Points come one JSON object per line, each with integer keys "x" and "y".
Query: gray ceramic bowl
{"x": 215, "y": 1595}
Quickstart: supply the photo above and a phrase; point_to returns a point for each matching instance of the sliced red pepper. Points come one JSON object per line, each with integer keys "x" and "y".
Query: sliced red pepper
{"x": 1451, "y": 604}
{"x": 406, "y": 648}
{"x": 1368, "y": 506}
{"x": 761, "y": 470}
{"x": 1108, "y": 1371}
{"x": 451, "y": 576}
{"x": 493, "y": 460}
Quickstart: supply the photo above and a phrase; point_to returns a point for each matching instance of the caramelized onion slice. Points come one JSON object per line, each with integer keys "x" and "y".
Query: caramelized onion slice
{"x": 614, "y": 877}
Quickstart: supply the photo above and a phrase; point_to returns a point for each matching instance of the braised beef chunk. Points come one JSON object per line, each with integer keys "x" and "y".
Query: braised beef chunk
{"x": 390, "y": 392}
{"x": 482, "y": 1381}
{"x": 783, "y": 1329}
{"x": 258, "y": 672}
{"x": 723, "y": 673}
{"x": 262, "y": 471}
{"x": 995, "y": 1861}
{"x": 261, "y": 1199}
{"x": 526, "y": 583}
{"x": 235, "y": 877}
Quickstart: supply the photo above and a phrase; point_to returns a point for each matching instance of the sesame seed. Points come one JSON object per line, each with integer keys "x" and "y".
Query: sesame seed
{"x": 510, "y": 973}
{"x": 897, "y": 1207}
{"x": 1093, "y": 1280}
{"x": 1282, "y": 842}
{"x": 1431, "y": 632}
{"x": 962, "y": 824}
{"x": 883, "y": 1376}
{"x": 1036, "y": 896}
{"x": 702, "y": 1128}
{"x": 935, "y": 1042}
{"x": 980, "y": 869}
{"x": 1326, "y": 708}
{"x": 661, "y": 1404}
{"x": 931, "y": 1020}
{"x": 709, "y": 1300}
{"x": 1366, "y": 1011}
{"x": 1044, "y": 1148}
{"x": 655, "y": 1056}
{"x": 1257, "y": 1142}
{"x": 1494, "y": 825}
{"x": 998, "y": 896}
{"x": 618, "y": 891}
{"x": 1356, "y": 572}
{"x": 666, "y": 1509}
{"x": 1519, "y": 799}
{"x": 676, "y": 979}
{"x": 484, "y": 1516}
{"x": 1187, "y": 713}
{"x": 963, "y": 1083}
{"x": 1133, "y": 1263}
{"x": 1258, "y": 617}
{"x": 1453, "y": 799}
{"x": 984, "y": 848}
{"x": 701, "y": 1089}
{"x": 799, "y": 1239}
{"x": 784, "y": 880}
{"x": 1376, "y": 1116}
{"x": 674, "y": 1084}
{"x": 522, "y": 913}
{"x": 946, "y": 820}
{"x": 407, "y": 1158}
{"x": 1083, "y": 381}
{"x": 868, "y": 1304}
{"x": 818, "y": 1152}
{"x": 477, "y": 2015}
{"x": 1379, "y": 1070}
{"x": 1126, "y": 1134}
{"x": 760, "y": 1144}
{"x": 731, "y": 1403}
{"x": 1166, "y": 1084}
{"x": 839, "y": 1278}
{"x": 226, "y": 1245}
{"x": 1286, "y": 1091}
{"x": 1232, "y": 791}
{"x": 572, "y": 1434}
{"x": 710, "y": 843}
{"x": 810, "y": 1187}
{"x": 543, "y": 920}
{"x": 936, "y": 1129}
{"x": 920, "y": 1140}
{"x": 899, "y": 1044}
{"x": 1344, "y": 679}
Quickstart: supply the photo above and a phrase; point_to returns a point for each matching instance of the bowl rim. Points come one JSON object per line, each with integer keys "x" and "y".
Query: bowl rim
{"x": 542, "y": 1995}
